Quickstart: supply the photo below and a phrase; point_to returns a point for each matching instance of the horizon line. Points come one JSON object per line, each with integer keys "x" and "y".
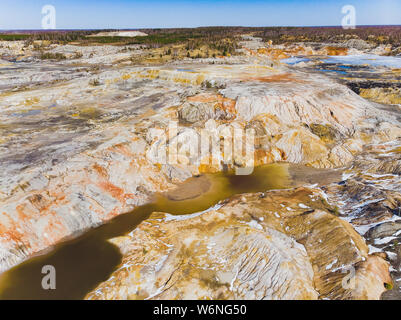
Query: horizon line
{"x": 205, "y": 26}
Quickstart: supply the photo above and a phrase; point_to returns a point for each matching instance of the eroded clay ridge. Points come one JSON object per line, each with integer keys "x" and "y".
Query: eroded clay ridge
{"x": 275, "y": 245}
{"x": 78, "y": 152}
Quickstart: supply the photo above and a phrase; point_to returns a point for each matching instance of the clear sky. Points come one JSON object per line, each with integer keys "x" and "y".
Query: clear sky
{"x": 119, "y": 14}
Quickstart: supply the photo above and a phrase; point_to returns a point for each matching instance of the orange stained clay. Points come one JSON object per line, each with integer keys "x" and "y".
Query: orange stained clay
{"x": 281, "y": 78}
{"x": 221, "y": 102}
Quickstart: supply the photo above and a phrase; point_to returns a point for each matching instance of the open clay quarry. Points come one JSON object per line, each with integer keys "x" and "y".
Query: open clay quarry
{"x": 104, "y": 172}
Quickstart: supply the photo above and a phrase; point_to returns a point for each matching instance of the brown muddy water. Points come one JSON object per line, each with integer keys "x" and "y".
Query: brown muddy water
{"x": 82, "y": 263}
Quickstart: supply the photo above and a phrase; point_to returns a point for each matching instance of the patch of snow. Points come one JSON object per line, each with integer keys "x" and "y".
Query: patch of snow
{"x": 211, "y": 245}
{"x": 294, "y": 60}
{"x": 329, "y": 266}
{"x": 254, "y": 224}
{"x": 120, "y": 34}
{"x": 346, "y": 176}
{"x": 234, "y": 278}
{"x": 171, "y": 217}
{"x": 384, "y": 240}
{"x": 160, "y": 263}
{"x": 373, "y": 249}
{"x": 391, "y": 255}
{"x": 363, "y": 229}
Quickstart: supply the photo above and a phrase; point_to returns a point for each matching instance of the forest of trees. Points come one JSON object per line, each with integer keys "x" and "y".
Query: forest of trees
{"x": 215, "y": 35}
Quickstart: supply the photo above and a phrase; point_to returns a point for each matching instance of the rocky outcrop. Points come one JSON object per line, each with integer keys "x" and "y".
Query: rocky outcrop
{"x": 358, "y": 44}
{"x": 369, "y": 197}
{"x": 382, "y": 95}
{"x": 274, "y": 245}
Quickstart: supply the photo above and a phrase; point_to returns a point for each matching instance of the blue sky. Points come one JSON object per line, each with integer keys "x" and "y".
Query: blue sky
{"x": 74, "y": 14}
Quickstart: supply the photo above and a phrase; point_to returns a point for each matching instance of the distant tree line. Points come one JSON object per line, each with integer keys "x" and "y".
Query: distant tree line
{"x": 218, "y": 36}
{"x": 376, "y": 34}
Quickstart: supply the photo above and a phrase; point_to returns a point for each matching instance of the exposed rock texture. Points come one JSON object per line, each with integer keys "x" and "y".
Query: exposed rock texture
{"x": 383, "y": 95}
{"x": 370, "y": 198}
{"x": 273, "y": 245}
{"x": 81, "y": 142}
{"x": 75, "y": 155}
